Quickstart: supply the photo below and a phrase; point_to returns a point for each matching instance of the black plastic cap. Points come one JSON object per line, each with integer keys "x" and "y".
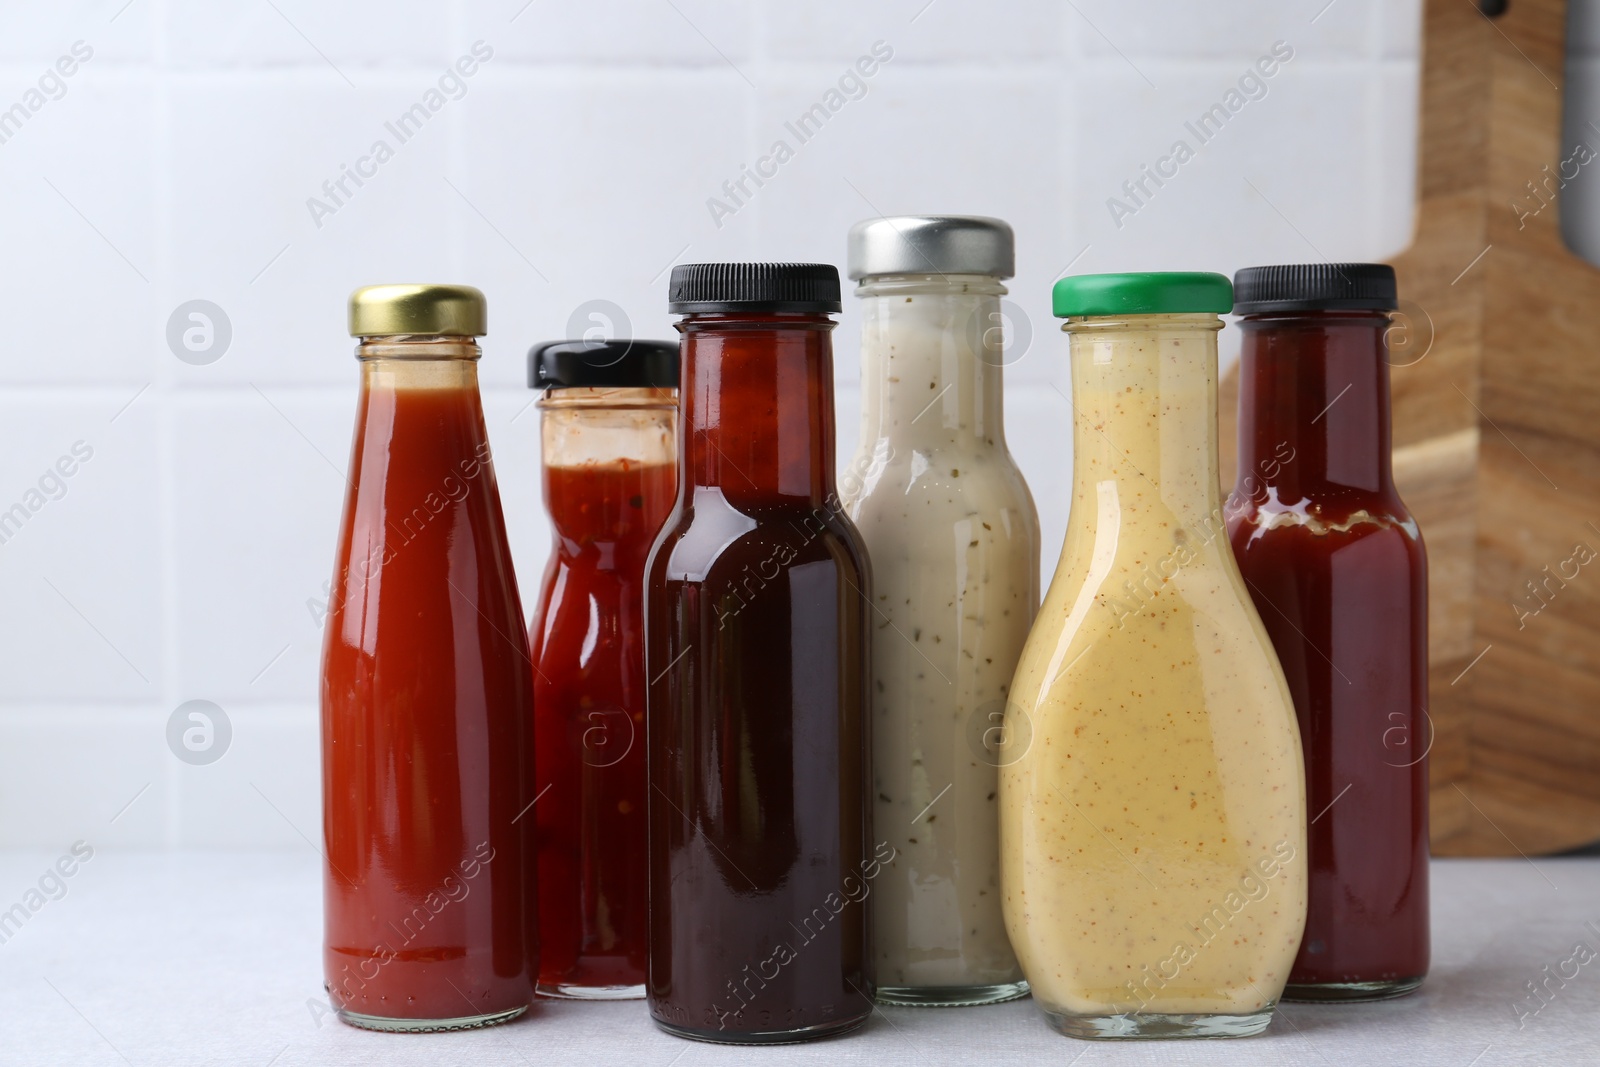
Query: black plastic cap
{"x": 1314, "y": 287}
{"x": 619, "y": 364}
{"x": 794, "y": 287}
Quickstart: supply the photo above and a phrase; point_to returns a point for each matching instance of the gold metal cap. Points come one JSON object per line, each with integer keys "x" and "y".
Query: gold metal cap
{"x": 444, "y": 310}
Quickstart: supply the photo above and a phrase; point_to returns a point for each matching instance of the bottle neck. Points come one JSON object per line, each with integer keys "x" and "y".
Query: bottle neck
{"x": 757, "y": 419}
{"x": 419, "y": 362}
{"x": 421, "y": 452}
{"x": 603, "y": 426}
{"x": 609, "y": 471}
{"x": 1144, "y": 393}
{"x": 1313, "y": 407}
{"x": 931, "y": 357}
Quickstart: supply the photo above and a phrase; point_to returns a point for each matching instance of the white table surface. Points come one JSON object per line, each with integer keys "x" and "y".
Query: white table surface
{"x": 213, "y": 958}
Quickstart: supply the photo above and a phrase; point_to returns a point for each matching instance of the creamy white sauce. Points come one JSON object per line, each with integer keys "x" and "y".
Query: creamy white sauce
{"x": 954, "y": 545}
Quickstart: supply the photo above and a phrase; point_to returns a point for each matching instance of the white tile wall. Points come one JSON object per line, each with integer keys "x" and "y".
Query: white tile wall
{"x": 569, "y": 190}
{"x": 78, "y": 184}
{"x": 246, "y": 149}
{"x": 614, "y": 33}
{"x": 575, "y": 165}
{"x": 306, "y": 33}
{"x": 1341, "y": 30}
{"x": 81, "y": 566}
{"x": 118, "y": 32}
{"x": 258, "y": 484}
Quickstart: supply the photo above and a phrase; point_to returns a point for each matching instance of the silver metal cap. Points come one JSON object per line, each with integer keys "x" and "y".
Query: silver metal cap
{"x": 932, "y": 244}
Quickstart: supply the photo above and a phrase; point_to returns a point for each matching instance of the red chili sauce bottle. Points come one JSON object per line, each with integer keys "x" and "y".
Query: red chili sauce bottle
{"x": 427, "y": 700}
{"x": 760, "y": 849}
{"x": 1338, "y": 572}
{"x": 609, "y": 444}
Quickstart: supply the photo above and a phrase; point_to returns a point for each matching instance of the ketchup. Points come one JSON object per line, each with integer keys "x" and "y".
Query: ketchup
{"x": 426, "y": 696}
{"x": 1337, "y": 569}
{"x": 760, "y": 842}
{"x": 609, "y": 450}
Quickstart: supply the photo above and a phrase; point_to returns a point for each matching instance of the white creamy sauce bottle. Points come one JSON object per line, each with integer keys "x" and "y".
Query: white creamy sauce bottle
{"x": 954, "y": 541}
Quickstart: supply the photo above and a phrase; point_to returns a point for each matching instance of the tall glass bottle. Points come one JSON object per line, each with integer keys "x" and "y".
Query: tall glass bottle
{"x": 756, "y": 648}
{"x": 1152, "y": 800}
{"x": 427, "y": 702}
{"x": 609, "y": 454}
{"x": 954, "y": 541}
{"x": 1337, "y": 568}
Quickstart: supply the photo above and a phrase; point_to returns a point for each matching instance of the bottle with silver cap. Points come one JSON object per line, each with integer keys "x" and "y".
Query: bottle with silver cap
{"x": 954, "y": 540}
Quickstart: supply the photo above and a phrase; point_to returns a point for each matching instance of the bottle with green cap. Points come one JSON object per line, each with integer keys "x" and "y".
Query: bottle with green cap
{"x": 1152, "y": 798}
{"x": 427, "y": 699}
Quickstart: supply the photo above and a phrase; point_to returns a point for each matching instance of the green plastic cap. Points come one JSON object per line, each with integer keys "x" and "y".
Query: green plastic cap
{"x": 1177, "y": 292}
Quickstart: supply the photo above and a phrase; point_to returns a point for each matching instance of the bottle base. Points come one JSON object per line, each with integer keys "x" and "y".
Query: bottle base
{"x": 1146, "y": 1025}
{"x": 780, "y": 1037}
{"x": 564, "y": 991}
{"x": 1351, "y": 992}
{"x": 951, "y": 996}
{"x": 427, "y": 1026}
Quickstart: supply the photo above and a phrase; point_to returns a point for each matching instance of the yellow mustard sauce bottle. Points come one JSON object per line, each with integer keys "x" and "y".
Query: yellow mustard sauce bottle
{"x": 1152, "y": 796}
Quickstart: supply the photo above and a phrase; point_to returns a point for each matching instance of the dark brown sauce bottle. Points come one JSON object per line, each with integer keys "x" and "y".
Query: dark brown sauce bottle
{"x": 756, "y": 644}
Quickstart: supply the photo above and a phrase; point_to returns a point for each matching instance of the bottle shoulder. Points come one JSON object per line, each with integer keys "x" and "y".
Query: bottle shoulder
{"x": 1148, "y": 640}
{"x": 710, "y": 533}
{"x": 1327, "y": 502}
{"x": 1313, "y": 527}
{"x": 570, "y": 582}
{"x": 987, "y": 479}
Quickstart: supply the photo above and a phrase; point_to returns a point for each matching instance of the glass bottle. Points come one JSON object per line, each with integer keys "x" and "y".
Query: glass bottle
{"x": 1152, "y": 800}
{"x": 1338, "y": 571}
{"x": 609, "y": 453}
{"x": 756, "y": 646}
{"x": 954, "y": 541}
{"x": 427, "y": 701}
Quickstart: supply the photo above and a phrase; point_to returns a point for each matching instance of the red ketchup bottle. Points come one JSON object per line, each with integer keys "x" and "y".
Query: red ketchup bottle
{"x": 1338, "y": 572}
{"x": 760, "y": 850}
{"x": 609, "y": 446}
{"x": 427, "y": 700}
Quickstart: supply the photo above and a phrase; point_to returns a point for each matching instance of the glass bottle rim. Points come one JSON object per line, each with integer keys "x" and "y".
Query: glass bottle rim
{"x": 608, "y": 398}
{"x": 932, "y": 283}
{"x": 1318, "y": 315}
{"x": 692, "y": 322}
{"x": 418, "y": 347}
{"x": 1155, "y": 323}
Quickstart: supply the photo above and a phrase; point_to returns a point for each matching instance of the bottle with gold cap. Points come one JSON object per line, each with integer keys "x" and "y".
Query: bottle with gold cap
{"x": 427, "y": 697}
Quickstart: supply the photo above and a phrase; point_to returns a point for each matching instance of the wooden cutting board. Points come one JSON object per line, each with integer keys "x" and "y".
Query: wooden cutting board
{"x": 1496, "y": 381}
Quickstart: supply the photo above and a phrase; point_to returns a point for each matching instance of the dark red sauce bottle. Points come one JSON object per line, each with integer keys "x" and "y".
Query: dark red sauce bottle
{"x": 427, "y": 701}
{"x": 760, "y": 849}
{"x": 1338, "y": 572}
{"x": 609, "y": 441}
